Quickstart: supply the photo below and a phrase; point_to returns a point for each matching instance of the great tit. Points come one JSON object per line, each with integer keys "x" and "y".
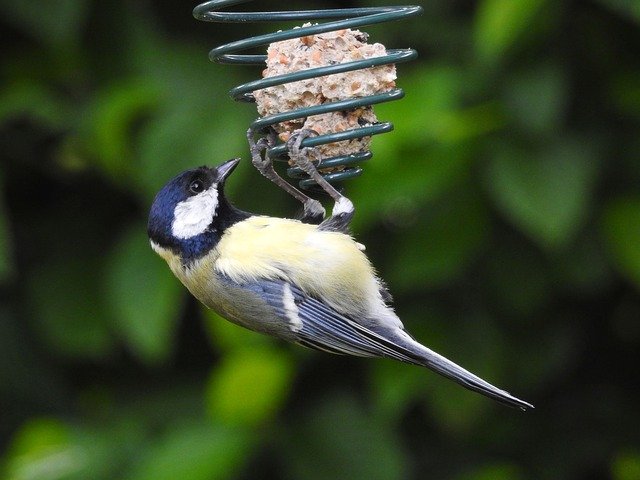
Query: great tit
{"x": 301, "y": 282}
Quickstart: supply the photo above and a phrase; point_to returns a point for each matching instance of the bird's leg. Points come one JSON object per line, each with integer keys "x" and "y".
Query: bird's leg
{"x": 304, "y": 157}
{"x": 312, "y": 210}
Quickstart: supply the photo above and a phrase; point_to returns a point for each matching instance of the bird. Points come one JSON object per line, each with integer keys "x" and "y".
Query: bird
{"x": 293, "y": 279}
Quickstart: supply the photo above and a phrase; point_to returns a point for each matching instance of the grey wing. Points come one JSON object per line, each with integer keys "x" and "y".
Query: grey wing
{"x": 314, "y": 324}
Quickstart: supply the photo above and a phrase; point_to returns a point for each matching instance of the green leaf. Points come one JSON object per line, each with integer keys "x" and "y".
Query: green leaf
{"x": 499, "y": 24}
{"x": 6, "y": 243}
{"x": 228, "y": 336}
{"x": 545, "y": 195}
{"x": 42, "y": 450}
{"x": 144, "y": 297}
{"x": 626, "y": 466}
{"x": 108, "y": 131}
{"x": 625, "y": 92}
{"x": 517, "y": 278}
{"x": 443, "y": 116}
{"x": 249, "y": 386}
{"x": 192, "y": 126}
{"x": 68, "y": 307}
{"x": 48, "y": 449}
{"x": 184, "y": 138}
{"x": 629, "y": 8}
{"x": 199, "y": 451}
{"x": 500, "y": 471}
{"x": 621, "y": 228}
{"x": 407, "y": 180}
{"x": 56, "y": 22}
{"x": 436, "y": 250}
{"x": 395, "y": 386}
{"x": 339, "y": 439}
{"x": 35, "y": 101}
{"x": 476, "y": 344}
{"x": 536, "y": 98}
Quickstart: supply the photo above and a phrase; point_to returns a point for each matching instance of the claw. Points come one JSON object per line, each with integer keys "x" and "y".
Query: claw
{"x": 307, "y": 159}
{"x": 313, "y": 212}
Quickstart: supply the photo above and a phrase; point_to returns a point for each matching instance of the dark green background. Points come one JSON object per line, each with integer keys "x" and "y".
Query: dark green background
{"x": 504, "y": 212}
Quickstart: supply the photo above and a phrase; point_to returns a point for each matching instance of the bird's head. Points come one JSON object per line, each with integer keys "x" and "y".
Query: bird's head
{"x": 190, "y": 212}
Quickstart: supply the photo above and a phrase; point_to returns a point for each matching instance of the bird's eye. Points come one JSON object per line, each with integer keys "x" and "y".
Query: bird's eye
{"x": 196, "y": 186}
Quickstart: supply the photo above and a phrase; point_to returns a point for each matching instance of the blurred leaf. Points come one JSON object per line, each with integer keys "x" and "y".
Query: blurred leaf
{"x": 198, "y": 451}
{"x": 108, "y": 132}
{"x": 476, "y": 344}
{"x": 629, "y": 8}
{"x": 47, "y": 449}
{"x": 625, "y": 92}
{"x": 537, "y": 97}
{"x": 443, "y": 115}
{"x": 621, "y": 228}
{"x": 399, "y": 184}
{"x": 42, "y": 450}
{"x": 585, "y": 267}
{"x": 35, "y": 101}
{"x": 6, "y": 243}
{"x": 545, "y": 195}
{"x": 340, "y": 439}
{"x": 144, "y": 297}
{"x": 24, "y": 375}
{"x": 500, "y": 471}
{"x": 551, "y": 358}
{"x": 499, "y": 24}
{"x": 228, "y": 336}
{"x": 438, "y": 249}
{"x": 517, "y": 279}
{"x": 55, "y": 23}
{"x": 182, "y": 139}
{"x": 395, "y": 386}
{"x": 249, "y": 386}
{"x": 193, "y": 125}
{"x": 68, "y": 307}
{"x": 626, "y": 466}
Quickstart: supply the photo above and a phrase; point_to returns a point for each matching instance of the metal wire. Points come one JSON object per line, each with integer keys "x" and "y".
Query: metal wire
{"x": 348, "y": 18}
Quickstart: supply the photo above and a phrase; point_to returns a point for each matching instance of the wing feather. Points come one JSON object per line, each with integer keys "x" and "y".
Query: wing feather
{"x": 323, "y": 328}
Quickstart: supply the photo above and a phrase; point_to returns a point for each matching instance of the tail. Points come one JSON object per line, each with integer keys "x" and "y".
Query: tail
{"x": 421, "y": 355}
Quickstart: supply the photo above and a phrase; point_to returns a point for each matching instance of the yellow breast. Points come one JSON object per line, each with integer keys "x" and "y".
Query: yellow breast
{"x": 323, "y": 263}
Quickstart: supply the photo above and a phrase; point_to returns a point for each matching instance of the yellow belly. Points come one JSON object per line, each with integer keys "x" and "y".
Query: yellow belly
{"x": 324, "y": 264}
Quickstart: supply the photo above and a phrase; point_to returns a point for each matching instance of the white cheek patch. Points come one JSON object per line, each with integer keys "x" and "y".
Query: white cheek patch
{"x": 192, "y": 216}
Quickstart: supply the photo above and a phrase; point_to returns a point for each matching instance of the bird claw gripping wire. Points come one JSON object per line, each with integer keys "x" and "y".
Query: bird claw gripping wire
{"x": 313, "y": 211}
{"x": 342, "y": 166}
{"x": 308, "y": 160}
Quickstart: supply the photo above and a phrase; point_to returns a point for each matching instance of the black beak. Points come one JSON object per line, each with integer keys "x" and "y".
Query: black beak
{"x": 226, "y": 168}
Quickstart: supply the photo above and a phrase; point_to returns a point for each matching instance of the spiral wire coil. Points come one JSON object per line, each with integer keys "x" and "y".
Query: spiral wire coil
{"x": 347, "y": 18}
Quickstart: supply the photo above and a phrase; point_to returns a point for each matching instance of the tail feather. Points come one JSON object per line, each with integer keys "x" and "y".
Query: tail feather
{"x": 445, "y": 367}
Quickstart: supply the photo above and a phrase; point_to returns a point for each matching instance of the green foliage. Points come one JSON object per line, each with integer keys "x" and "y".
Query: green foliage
{"x": 249, "y": 386}
{"x": 626, "y": 466}
{"x": 343, "y": 439}
{"x": 454, "y": 233}
{"x": 195, "y": 451}
{"x": 500, "y": 24}
{"x": 621, "y": 225}
{"x": 545, "y": 193}
{"x": 503, "y": 210}
{"x": 71, "y": 315}
{"x": 37, "y": 18}
{"x": 146, "y": 299}
{"x": 48, "y": 449}
{"x": 504, "y": 471}
{"x": 6, "y": 247}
